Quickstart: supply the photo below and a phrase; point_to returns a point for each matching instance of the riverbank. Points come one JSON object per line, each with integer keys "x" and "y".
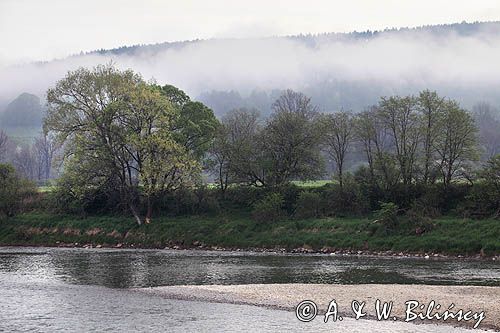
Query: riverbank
{"x": 288, "y": 296}
{"x": 355, "y": 236}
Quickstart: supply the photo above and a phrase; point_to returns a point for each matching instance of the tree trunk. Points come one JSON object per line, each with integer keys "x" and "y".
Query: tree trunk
{"x": 341, "y": 180}
{"x": 136, "y": 214}
{"x": 149, "y": 211}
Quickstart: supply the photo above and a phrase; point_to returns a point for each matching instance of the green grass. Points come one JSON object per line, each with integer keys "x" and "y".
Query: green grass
{"x": 449, "y": 236}
{"x": 313, "y": 183}
{"x": 46, "y": 188}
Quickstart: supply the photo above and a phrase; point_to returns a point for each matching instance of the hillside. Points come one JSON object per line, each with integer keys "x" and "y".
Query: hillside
{"x": 338, "y": 70}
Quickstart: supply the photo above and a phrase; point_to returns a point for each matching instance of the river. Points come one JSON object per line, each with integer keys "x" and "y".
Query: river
{"x": 83, "y": 290}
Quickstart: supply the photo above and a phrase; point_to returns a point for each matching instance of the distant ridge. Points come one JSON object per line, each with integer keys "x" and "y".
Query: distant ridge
{"x": 462, "y": 29}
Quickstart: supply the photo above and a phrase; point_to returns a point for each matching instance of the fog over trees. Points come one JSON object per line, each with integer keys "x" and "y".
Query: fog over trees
{"x": 336, "y": 70}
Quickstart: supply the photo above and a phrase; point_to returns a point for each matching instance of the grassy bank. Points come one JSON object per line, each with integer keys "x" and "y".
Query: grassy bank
{"x": 449, "y": 235}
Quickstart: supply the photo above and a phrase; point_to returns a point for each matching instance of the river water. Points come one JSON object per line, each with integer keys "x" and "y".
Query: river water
{"x": 84, "y": 290}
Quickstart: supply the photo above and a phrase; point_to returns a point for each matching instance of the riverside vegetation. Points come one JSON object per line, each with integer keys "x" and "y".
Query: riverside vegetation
{"x": 408, "y": 173}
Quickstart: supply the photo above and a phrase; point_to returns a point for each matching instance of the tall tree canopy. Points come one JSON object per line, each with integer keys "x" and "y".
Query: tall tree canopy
{"x": 121, "y": 133}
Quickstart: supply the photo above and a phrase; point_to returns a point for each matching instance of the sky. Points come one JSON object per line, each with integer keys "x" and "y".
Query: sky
{"x": 34, "y": 30}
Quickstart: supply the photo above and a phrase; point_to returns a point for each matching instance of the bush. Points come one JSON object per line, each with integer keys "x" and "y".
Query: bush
{"x": 387, "y": 215}
{"x": 309, "y": 205}
{"x": 346, "y": 201}
{"x": 187, "y": 201}
{"x": 243, "y": 196}
{"x": 290, "y": 193}
{"x": 418, "y": 221}
{"x": 269, "y": 209}
{"x": 483, "y": 201}
{"x": 68, "y": 198}
{"x": 13, "y": 191}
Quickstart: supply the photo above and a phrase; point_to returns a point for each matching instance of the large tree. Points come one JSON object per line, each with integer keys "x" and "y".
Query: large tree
{"x": 375, "y": 139}
{"x": 291, "y": 140}
{"x": 431, "y": 108}
{"x": 237, "y": 154}
{"x": 128, "y": 135}
{"x": 338, "y": 133}
{"x": 488, "y": 122}
{"x": 45, "y": 149}
{"x": 399, "y": 116}
{"x": 457, "y": 143}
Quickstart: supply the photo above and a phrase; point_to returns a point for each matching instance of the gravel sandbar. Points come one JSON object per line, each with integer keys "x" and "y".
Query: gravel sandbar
{"x": 287, "y": 296}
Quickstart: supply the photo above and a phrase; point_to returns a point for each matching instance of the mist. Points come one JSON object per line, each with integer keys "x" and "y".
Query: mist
{"x": 397, "y": 62}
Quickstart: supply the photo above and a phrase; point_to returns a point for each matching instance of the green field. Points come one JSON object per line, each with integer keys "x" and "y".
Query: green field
{"x": 449, "y": 235}
{"x": 313, "y": 183}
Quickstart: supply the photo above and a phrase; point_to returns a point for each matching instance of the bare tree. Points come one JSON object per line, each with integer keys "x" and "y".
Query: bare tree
{"x": 238, "y": 152}
{"x": 373, "y": 135}
{"x": 488, "y": 123}
{"x": 430, "y": 107}
{"x": 292, "y": 139}
{"x": 25, "y": 161}
{"x": 44, "y": 148}
{"x": 400, "y": 117}
{"x": 338, "y": 133}
{"x": 457, "y": 143}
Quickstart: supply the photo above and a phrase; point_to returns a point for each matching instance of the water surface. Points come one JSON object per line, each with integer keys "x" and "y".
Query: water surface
{"x": 83, "y": 290}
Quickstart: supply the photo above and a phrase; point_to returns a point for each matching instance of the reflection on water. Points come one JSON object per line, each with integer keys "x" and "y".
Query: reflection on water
{"x": 144, "y": 268}
{"x": 65, "y": 290}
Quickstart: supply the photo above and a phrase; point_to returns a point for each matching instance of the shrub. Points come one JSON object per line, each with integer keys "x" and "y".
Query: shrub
{"x": 484, "y": 197}
{"x": 483, "y": 201}
{"x": 309, "y": 205}
{"x": 418, "y": 221}
{"x": 13, "y": 190}
{"x": 345, "y": 201}
{"x": 269, "y": 209}
{"x": 387, "y": 215}
{"x": 290, "y": 193}
{"x": 243, "y": 196}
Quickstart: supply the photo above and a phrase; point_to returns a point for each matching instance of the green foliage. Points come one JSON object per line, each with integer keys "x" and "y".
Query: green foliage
{"x": 13, "y": 190}
{"x": 291, "y": 140}
{"x": 309, "y": 205}
{"x": 269, "y": 209}
{"x": 139, "y": 141}
{"x": 348, "y": 200}
{"x": 387, "y": 216}
{"x": 418, "y": 221}
{"x": 174, "y": 95}
{"x": 483, "y": 198}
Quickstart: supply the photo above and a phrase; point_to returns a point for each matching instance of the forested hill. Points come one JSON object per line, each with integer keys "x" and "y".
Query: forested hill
{"x": 314, "y": 40}
{"x": 349, "y": 71}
